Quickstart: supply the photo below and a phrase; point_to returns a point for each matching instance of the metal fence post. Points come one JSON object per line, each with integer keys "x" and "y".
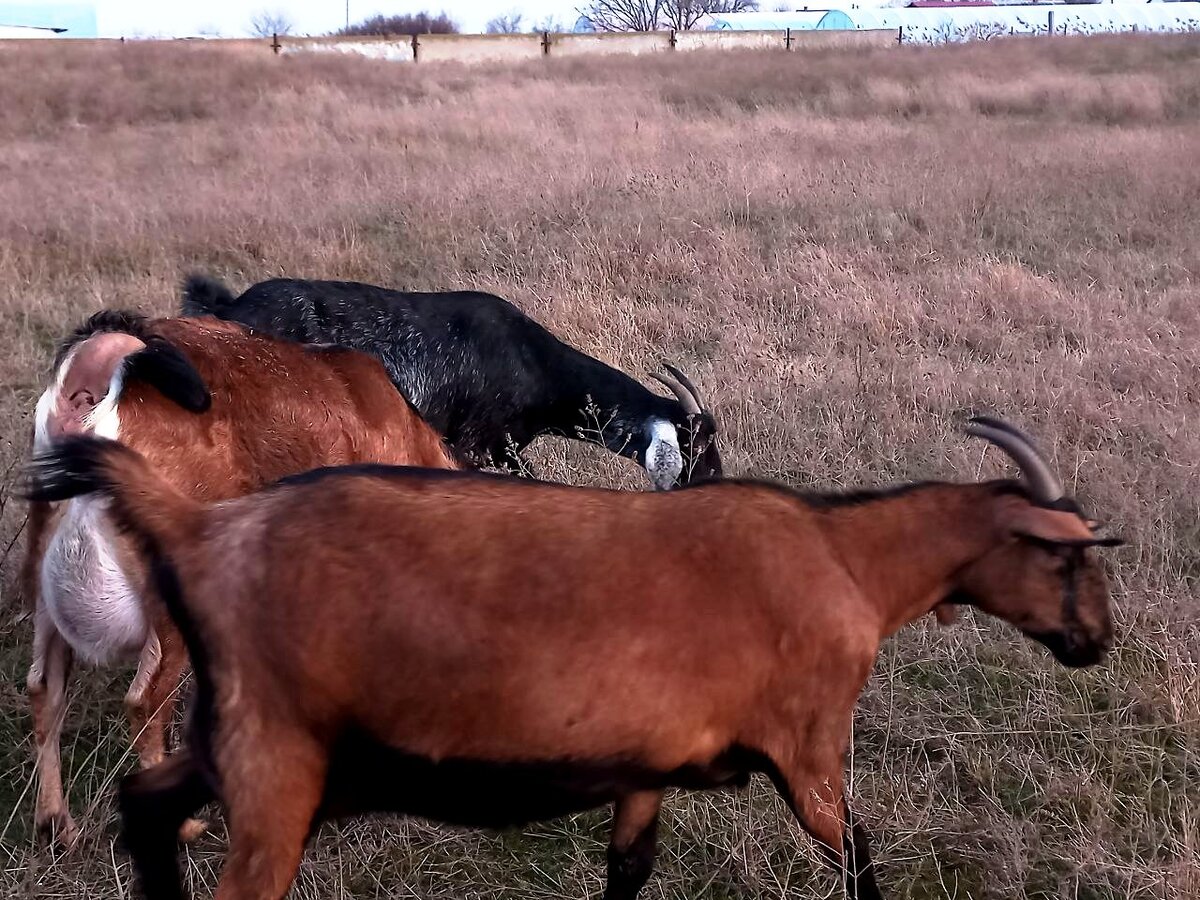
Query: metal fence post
{"x": 671, "y": 39}
{"x": 545, "y": 43}
{"x": 1050, "y": 23}
{"x": 787, "y": 39}
{"x": 275, "y": 45}
{"x": 416, "y": 45}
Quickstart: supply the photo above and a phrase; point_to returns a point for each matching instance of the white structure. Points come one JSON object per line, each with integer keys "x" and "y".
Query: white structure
{"x": 962, "y": 23}
{"x": 802, "y": 20}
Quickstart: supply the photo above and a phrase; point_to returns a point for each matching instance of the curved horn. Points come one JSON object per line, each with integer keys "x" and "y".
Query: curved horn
{"x": 1042, "y": 481}
{"x": 681, "y": 386}
{"x": 686, "y": 399}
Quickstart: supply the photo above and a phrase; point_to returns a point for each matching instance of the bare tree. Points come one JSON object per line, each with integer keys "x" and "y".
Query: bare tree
{"x": 507, "y": 23}
{"x": 550, "y": 23}
{"x": 624, "y": 15}
{"x": 650, "y": 15}
{"x": 266, "y": 22}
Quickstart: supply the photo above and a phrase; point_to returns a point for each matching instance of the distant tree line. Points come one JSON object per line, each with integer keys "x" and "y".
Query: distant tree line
{"x": 412, "y": 23}
{"x": 605, "y": 15}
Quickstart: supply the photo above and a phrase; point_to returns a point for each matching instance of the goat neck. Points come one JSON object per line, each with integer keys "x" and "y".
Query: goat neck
{"x": 905, "y": 549}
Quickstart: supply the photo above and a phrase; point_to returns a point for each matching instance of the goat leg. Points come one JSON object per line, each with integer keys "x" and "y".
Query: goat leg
{"x": 271, "y": 802}
{"x": 155, "y": 803}
{"x": 816, "y": 797}
{"x": 633, "y": 845}
{"x": 150, "y": 704}
{"x": 47, "y": 685}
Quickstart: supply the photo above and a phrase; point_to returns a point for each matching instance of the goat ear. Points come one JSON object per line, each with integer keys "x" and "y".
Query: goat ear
{"x": 1050, "y": 526}
{"x": 1056, "y": 529}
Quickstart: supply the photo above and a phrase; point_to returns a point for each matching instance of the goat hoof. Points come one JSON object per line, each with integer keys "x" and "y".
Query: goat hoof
{"x": 57, "y": 828}
{"x": 191, "y": 830}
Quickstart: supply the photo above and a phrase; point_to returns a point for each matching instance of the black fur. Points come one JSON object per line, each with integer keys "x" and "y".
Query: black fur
{"x": 154, "y": 803}
{"x": 367, "y": 776}
{"x": 474, "y": 366}
{"x": 74, "y": 466}
{"x": 629, "y": 869}
{"x": 204, "y": 296}
{"x": 815, "y": 500}
{"x": 162, "y": 366}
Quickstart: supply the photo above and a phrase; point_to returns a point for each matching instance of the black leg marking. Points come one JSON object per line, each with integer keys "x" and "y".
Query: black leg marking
{"x": 154, "y": 804}
{"x": 629, "y": 869}
{"x": 856, "y": 858}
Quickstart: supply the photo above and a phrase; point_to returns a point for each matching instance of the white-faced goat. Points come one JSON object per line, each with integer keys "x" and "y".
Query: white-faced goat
{"x": 218, "y": 412}
{"x": 373, "y": 637}
{"x": 482, "y": 372}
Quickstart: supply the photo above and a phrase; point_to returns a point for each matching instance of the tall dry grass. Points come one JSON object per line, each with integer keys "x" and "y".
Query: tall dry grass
{"x": 848, "y": 250}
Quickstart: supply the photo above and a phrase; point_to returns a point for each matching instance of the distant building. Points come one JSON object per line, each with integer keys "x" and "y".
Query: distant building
{"x": 800, "y": 20}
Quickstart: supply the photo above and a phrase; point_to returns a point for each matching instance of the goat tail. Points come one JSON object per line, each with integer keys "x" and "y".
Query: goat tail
{"x": 143, "y": 502}
{"x": 204, "y": 295}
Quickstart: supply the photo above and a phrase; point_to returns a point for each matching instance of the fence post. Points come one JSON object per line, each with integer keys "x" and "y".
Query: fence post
{"x": 900, "y": 35}
{"x": 545, "y": 43}
{"x": 787, "y": 39}
{"x": 275, "y": 43}
{"x": 671, "y": 40}
{"x": 1050, "y": 23}
{"x": 416, "y": 45}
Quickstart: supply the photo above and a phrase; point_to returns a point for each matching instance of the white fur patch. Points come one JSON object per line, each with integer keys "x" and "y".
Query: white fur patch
{"x": 85, "y": 593}
{"x": 664, "y": 461}
{"x": 47, "y": 405}
{"x": 47, "y": 408}
{"x": 103, "y": 420}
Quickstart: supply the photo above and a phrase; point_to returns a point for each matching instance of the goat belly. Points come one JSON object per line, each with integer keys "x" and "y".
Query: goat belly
{"x": 86, "y": 594}
{"x": 459, "y": 792}
{"x": 366, "y": 776}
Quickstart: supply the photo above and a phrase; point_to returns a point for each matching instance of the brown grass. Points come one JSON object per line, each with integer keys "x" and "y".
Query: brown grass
{"x": 848, "y": 250}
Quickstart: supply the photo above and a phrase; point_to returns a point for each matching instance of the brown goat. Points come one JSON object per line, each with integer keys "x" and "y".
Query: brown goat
{"x": 219, "y": 413}
{"x": 489, "y": 652}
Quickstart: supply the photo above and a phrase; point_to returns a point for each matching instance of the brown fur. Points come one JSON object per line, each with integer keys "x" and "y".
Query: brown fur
{"x": 601, "y": 646}
{"x": 277, "y": 408}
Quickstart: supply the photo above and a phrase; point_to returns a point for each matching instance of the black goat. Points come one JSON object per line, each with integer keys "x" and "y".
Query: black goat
{"x": 481, "y": 372}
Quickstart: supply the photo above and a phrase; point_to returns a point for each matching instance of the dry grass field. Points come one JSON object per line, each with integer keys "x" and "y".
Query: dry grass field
{"x": 849, "y": 251}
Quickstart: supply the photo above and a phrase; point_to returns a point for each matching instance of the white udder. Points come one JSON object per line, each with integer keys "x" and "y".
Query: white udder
{"x": 88, "y": 597}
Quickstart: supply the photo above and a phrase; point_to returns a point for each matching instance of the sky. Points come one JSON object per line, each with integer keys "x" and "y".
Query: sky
{"x": 231, "y": 18}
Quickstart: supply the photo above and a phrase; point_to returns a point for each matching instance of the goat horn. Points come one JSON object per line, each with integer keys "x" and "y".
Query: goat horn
{"x": 685, "y": 399}
{"x": 683, "y": 389}
{"x": 1042, "y": 481}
